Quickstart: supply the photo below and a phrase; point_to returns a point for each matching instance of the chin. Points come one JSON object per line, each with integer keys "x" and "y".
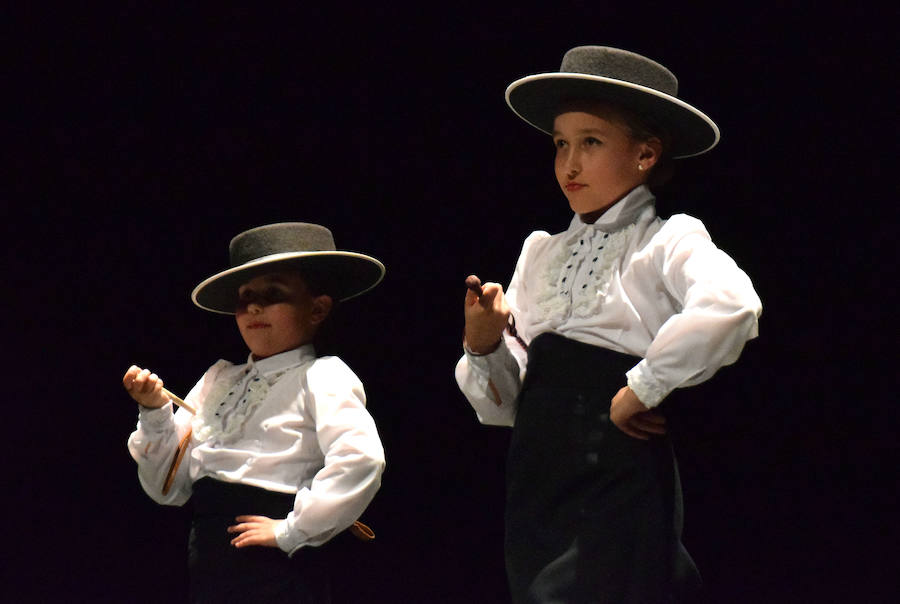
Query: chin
{"x": 580, "y": 207}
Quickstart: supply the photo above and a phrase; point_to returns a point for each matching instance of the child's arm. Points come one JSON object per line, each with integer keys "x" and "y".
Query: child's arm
{"x": 491, "y": 382}
{"x": 488, "y": 374}
{"x": 719, "y": 312}
{"x": 155, "y": 441}
{"x": 354, "y": 459}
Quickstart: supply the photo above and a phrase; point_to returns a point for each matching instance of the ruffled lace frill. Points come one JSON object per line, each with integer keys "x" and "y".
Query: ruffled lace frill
{"x": 223, "y": 414}
{"x": 576, "y": 281}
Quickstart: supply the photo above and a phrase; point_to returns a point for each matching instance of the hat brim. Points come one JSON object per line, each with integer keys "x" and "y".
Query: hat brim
{"x": 536, "y": 99}
{"x": 349, "y": 274}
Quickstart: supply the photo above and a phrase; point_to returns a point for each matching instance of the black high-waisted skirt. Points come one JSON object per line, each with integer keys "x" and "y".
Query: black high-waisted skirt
{"x": 219, "y": 572}
{"x": 592, "y": 514}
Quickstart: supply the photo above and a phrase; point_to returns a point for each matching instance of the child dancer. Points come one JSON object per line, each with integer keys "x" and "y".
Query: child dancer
{"x": 605, "y": 320}
{"x": 279, "y": 453}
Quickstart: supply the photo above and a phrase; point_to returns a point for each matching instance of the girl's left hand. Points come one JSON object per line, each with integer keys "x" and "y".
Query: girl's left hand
{"x": 254, "y": 530}
{"x": 630, "y": 415}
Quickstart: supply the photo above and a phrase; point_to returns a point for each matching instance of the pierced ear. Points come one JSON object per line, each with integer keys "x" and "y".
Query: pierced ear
{"x": 650, "y": 152}
{"x": 321, "y": 308}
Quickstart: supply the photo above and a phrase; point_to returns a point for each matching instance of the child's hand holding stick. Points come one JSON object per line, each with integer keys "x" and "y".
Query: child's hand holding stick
{"x": 147, "y": 389}
{"x": 487, "y": 314}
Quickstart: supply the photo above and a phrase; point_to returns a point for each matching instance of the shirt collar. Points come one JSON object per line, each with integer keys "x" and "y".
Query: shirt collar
{"x": 621, "y": 214}
{"x": 283, "y": 360}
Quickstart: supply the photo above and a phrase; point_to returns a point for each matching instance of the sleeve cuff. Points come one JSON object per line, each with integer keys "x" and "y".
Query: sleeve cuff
{"x": 484, "y": 366}
{"x": 645, "y": 386}
{"x": 286, "y": 542}
{"x": 155, "y": 419}
{"x": 478, "y": 362}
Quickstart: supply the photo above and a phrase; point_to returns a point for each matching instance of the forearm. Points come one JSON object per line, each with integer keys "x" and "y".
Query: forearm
{"x": 353, "y": 459}
{"x": 153, "y": 445}
{"x": 688, "y": 350}
{"x": 491, "y": 384}
{"x": 718, "y": 313}
{"x": 338, "y": 495}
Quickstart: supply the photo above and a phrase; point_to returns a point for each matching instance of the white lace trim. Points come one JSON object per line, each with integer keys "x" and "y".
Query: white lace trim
{"x": 219, "y": 420}
{"x": 576, "y": 281}
{"x": 551, "y": 299}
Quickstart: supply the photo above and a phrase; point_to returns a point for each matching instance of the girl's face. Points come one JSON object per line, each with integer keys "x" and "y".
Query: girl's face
{"x": 276, "y": 313}
{"x": 597, "y": 161}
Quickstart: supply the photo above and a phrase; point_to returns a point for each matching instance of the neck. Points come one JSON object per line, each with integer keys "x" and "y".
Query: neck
{"x": 592, "y": 217}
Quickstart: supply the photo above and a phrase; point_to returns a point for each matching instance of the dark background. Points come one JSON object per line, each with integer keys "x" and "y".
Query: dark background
{"x": 140, "y": 139}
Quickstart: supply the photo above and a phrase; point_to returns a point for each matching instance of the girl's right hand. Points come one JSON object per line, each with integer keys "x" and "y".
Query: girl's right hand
{"x": 630, "y": 415}
{"x": 486, "y": 317}
{"x": 144, "y": 387}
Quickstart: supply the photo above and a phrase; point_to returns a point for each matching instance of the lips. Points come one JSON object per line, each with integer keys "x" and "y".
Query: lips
{"x": 574, "y": 186}
{"x": 257, "y": 325}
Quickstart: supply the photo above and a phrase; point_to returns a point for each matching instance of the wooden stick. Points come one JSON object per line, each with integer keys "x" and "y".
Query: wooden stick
{"x": 179, "y": 402}
{"x": 474, "y": 283}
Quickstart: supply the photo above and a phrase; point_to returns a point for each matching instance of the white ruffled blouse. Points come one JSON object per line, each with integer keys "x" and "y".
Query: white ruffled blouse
{"x": 631, "y": 282}
{"x": 290, "y": 423}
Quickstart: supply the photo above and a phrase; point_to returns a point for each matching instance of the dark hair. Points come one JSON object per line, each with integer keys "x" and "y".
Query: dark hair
{"x": 317, "y": 282}
{"x": 641, "y": 127}
{"x": 320, "y": 283}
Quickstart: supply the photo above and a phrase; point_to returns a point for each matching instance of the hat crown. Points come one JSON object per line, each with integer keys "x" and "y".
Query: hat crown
{"x": 279, "y": 238}
{"x": 618, "y": 64}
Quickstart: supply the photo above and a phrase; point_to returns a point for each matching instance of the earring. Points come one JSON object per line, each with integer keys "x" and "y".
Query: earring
{"x": 641, "y": 167}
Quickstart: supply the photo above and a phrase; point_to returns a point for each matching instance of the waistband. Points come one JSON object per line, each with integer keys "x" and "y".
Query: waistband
{"x": 558, "y": 362}
{"x": 213, "y": 497}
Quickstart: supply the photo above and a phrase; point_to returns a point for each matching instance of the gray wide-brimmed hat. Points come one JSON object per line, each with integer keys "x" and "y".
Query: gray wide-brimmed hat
{"x": 620, "y": 77}
{"x": 288, "y": 246}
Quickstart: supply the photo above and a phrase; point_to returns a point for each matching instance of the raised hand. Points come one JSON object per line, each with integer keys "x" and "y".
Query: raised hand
{"x": 144, "y": 387}
{"x": 486, "y": 314}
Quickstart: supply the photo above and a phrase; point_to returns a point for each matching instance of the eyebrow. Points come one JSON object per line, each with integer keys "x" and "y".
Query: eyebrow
{"x": 583, "y": 131}
{"x": 268, "y": 280}
{"x": 275, "y": 278}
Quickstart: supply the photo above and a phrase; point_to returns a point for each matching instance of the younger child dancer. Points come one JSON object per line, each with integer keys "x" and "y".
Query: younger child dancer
{"x": 281, "y": 454}
{"x": 615, "y": 312}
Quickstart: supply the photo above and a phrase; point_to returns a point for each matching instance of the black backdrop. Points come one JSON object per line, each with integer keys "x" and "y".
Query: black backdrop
{"x": 141, "y": 138}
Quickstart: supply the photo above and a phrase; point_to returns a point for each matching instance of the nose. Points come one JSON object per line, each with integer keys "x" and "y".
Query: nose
{"x": 572, "y": 164}
{"x": 254, "y": 308}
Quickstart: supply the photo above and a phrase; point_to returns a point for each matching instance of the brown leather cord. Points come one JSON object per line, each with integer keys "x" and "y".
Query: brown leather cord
{"x": 361, "y": 531}
{"x": 176, "y": 461}
{"x": 511, "y": 330}
{"x": 496, "y": 393}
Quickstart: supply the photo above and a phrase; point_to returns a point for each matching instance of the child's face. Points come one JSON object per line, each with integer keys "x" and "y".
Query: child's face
{"x": 596, "y": 160}
{"x": 276, "y": 312}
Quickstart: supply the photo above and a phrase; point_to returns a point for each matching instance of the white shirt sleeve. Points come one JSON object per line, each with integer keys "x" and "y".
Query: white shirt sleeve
{"x": 354, "y": 458}
{"x": 154, "y": 443}
{"x": 719, "y": 312}
{"x": 491, "y": 382}
{"x": 153, "y": 446}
